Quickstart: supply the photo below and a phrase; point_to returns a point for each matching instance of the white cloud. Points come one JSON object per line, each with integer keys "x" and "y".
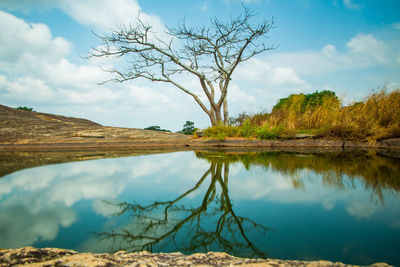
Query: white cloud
{"x": 236, "y": 95}
{"x": 257, "y": 84}
{"x": 257, "y": 70}
{"x": 204, "y": 6}
{"x": 351, "y": 4}
{"x": 367, "y": 50}
{"x": 106, "y": 15}
{"x": 19, "y": 39}
{"x": 396, "y": 26}
{"x": 100, "y": 14}
{"x": 363, "y": 51}
{"x": 28, "y": 89}
{"x": 36, "y": 72}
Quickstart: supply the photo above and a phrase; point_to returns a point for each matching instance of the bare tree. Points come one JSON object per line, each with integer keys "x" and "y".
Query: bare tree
{"x": 211, "y": 54}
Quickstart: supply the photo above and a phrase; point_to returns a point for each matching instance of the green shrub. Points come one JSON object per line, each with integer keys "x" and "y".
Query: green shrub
{"x": 188, "y": 128}
{"x": 221, "y": 131}
{"x": 268, "y": 133}
{"x": 25, "y": 108}
{"x": 156, "y": 128}
{"x": 246, "y": 130}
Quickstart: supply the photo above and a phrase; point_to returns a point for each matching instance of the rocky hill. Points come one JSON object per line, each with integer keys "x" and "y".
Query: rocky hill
{"x": 29, "y": 128}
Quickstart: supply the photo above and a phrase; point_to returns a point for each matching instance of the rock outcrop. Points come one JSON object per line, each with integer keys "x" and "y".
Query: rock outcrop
{"x": 29, "y": 256}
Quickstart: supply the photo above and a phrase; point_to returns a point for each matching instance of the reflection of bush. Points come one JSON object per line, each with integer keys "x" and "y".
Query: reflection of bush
{"x": 377, "y": 173}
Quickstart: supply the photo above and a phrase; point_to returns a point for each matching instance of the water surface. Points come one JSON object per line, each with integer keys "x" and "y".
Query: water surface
{"x": 335, "y": 206}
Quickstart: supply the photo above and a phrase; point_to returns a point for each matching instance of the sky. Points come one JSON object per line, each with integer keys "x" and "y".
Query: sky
{"x": 351, "y": 47}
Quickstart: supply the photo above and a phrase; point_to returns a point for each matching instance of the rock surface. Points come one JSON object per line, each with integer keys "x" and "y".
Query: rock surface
{"x": 29, "y": 256}
{"x": 20, "y": 128}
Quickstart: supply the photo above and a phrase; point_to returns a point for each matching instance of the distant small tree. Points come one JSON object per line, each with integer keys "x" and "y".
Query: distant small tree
{"x": 156, "y": 128}
{"x": 188, "y": 127}
{"x": 25, "y": 108}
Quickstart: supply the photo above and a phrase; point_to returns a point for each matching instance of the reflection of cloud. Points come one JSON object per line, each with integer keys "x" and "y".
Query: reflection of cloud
{"x": 104, "y": 208}
{"x": 35, "y": 202}
{"x": 20, "y": 227}
{"x": 273, "y": 186}
{"x": 362, "y": 209}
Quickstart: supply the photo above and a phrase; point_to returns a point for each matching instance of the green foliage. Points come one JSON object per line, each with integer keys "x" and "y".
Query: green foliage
{"x": 25, "y": 108}
{"x": 302, "y": 102}
{"x": 188, "y": 128}
{"x": 269, "y": 133}
{"x": 156, "y": 128}
{"x": 221, "y": 131}
{"x": 246, "y": 130}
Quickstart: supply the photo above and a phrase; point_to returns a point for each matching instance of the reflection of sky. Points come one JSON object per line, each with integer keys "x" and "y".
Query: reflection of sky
{"x": 268, "y": 185}
{"x": 43, "y": 205}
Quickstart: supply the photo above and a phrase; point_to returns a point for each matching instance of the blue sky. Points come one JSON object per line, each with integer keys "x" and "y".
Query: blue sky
{"x": 349, "y": 46}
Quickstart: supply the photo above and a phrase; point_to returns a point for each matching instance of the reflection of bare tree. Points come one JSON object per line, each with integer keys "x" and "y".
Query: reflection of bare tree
{"x": 212, "y": 225}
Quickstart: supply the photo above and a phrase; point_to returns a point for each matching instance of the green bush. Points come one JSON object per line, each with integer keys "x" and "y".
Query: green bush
{"x": 25, "y": 108}
{"x": 188, "y": 128}
{"x": 221, "y": 131}
{"x": 156, "y": 128}
{"x": 246, "y": 130}
{"x": 269, "y": 133}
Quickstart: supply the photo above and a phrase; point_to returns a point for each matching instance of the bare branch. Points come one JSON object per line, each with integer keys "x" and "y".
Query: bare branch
{"x": 209, "y": 53}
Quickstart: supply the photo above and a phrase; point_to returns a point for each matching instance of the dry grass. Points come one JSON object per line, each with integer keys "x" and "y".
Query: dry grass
{"x": 376, "y": 118}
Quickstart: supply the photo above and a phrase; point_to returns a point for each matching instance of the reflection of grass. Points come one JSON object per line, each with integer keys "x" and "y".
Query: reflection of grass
{"x": 377, "y": 173}
{"x": 320, "y": 114}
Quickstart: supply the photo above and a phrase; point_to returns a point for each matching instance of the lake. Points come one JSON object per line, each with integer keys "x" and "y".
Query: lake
{"x": 337, "y": 206}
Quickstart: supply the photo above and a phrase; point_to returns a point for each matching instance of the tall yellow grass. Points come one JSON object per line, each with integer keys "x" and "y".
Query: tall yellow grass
{"x": 376, "y": 118}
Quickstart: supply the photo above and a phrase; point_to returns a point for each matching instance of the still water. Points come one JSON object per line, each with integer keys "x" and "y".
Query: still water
{"x": 306, "y": 206}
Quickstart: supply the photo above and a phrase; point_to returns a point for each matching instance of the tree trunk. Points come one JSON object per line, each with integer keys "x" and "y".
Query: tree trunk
{"x": 226, "y": 114}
